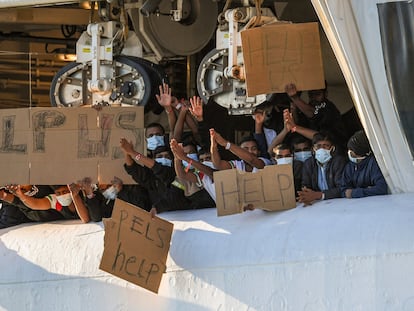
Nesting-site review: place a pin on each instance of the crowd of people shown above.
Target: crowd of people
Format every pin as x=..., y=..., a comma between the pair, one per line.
x=176, y=172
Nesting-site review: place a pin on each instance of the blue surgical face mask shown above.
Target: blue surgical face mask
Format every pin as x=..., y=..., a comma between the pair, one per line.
x=110, y=193
x=287, y=160
x=164, y=161
x=302, y=155
x=354, y=159
x=192, y=156
x=323, y=155
x=154, y=142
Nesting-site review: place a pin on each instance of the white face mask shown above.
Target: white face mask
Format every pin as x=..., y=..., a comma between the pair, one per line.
x=323, y=155
x=354, y=159
x=164, y=161
x=192, y=156
x=302, y=155
x=287, y=160
x=209, y=164
x=110, y=193
x=154, y=142
x=64, y=199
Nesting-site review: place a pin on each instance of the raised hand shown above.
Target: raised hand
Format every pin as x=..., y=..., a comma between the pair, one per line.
x=74, y=189
x=291, y=90
x=259, y=117
x=164, y=99
x=126, y=146
x=217, y=138
x=288, y=120
x=196, y=108
x=177, y=149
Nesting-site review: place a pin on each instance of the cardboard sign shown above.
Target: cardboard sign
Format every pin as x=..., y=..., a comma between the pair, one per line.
x=136, y=245
x=63, y=145
x=270, y=189
x=281, y=53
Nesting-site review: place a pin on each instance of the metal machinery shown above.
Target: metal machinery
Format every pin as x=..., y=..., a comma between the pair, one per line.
x=118, y=66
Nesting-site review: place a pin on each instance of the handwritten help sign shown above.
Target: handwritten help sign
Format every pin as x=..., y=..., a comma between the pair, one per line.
x=270, y=189
x=136, y=246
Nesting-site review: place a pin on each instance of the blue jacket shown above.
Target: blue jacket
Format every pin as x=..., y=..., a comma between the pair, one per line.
x=364, y=178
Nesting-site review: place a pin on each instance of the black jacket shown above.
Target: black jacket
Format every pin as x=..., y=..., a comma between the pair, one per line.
x=158, y=182
x=334, y=169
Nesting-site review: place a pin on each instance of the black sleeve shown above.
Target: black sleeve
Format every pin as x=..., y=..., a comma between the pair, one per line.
x=204, y=132
x=141, y=174
x=96, y=206
x=163, y=173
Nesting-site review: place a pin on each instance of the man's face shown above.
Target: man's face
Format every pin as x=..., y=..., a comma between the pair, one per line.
x=164, y=154
x=316, y=96
x=205, y=157
x=151, y=131
x=282, y=153
x=251, y=147
x=189, y=149
x=325, y=144
x=62, y=190
x=302, y=147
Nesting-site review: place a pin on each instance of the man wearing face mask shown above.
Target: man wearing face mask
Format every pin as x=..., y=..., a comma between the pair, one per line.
x=362, y=176
x=155, y=137
x=283, y=155
x=319, y=114
x=190, y=172
x=66, y=199
x=100, y=199
x=157, y=176
x=322, y=174
x=302, y=148
x=14, y=212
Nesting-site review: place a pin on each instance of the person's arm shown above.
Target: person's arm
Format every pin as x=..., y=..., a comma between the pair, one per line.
x=308, y=195
x=180, y=155
x=30, y=202
x=196, y=110
x=6, y=196
x=165, y=100
x=179, y=125
x=238, y=151
x=346, y=181
x=215, y=155
x=376, y=179
x=259, y=135
x=80, y=207
x=335, y=171
x=291, y=91
x=131, y=155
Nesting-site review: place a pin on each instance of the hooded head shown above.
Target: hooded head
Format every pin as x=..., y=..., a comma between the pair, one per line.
x=359, y=144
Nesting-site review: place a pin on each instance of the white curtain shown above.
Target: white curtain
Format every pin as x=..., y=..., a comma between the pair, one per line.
x=352, y=29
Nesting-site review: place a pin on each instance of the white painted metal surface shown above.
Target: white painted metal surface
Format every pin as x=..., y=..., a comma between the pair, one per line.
x=338, y=254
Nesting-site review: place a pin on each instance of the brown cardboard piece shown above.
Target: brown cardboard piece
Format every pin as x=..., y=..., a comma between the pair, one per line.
x=136, y=245
x=14, y=147
x=270, y=189
x=281, y=53
x=63, y=145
